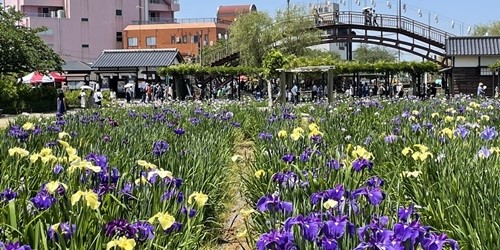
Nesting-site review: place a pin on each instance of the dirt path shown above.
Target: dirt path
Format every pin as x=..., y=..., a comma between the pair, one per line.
x=234, y=222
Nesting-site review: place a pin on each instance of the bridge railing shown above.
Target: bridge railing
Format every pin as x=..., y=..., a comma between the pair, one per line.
x=389, y=21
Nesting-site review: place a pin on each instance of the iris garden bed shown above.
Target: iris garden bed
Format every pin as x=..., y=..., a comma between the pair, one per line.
x=367, y=174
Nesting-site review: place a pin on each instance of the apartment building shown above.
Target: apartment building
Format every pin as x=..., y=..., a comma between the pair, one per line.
x=79, y=30
x=187, y=35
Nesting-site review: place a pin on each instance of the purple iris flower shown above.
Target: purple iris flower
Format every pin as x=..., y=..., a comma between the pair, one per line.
x=374, y=195
x=176, y=227
x=316, y=139
x=390, y=139
x=188, y=211
x=276, y=240
x=328, y=244
x=19, y=133
x=119, y=227
x=127, y=189
x=7, y=195
x=335, y=228
x=361, y=163
x=462, y=132
x=106, y=138
x=288, y=158
x=274, y=203
x=194, y=120
x=331, y=194
x=14, y=246
x=489, y=133
x=43, y=200
x=160, y=147
x=58, y=169
x=484, y=152
x=405, y=213
x=286, y=179
x=115, y=175
x=436, y=242
x=304, y=157
x=51, y=144
x=375, y=181
x=265, y=136
x=65, y=229
x=145, y=231
x=416, y=127
x=310, y=226
x=334, y=164
x=179, y=131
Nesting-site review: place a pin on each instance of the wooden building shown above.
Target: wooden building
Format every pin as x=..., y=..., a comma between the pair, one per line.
x=470, y=58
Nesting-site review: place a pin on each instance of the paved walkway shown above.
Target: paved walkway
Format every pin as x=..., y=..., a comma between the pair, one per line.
x=5, y=120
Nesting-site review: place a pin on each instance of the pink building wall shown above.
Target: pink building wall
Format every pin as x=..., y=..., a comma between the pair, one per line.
x=76, y=39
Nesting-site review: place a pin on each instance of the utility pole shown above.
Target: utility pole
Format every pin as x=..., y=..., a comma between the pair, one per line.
x=288, y=5
x=399, y=14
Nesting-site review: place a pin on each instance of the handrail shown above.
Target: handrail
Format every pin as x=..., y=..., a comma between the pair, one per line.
x=434, y=35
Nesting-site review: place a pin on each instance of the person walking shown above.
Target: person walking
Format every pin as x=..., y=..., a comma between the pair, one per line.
x=98, y=98
x=83, y=99
x=480, y=90
x=295, y=92
x=61, y=103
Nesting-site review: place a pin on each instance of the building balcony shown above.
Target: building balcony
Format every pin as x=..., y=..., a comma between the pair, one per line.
x=164, y=5
x=153, y=20
x=42, y=3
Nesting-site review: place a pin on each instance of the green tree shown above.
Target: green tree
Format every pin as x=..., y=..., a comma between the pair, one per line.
x=490, y=29
x=251, y=37
x=254, y=34
x=373, y=54
x=21, y=49
x=294, y=31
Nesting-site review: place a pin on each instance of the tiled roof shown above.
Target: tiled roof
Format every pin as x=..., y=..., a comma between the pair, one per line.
x=75, y=66
x=473, y=46
x=132, y=58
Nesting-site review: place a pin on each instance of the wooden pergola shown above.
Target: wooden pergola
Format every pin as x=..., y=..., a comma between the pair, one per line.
x=287, y=76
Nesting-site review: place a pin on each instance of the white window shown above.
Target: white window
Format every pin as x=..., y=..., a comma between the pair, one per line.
x=132, y=41
x=151, y=41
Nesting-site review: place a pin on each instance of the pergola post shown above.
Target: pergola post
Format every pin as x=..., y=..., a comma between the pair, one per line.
x=330, y=85
x=283, y=82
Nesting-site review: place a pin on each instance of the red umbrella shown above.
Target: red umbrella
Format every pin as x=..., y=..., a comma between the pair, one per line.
x=38, y=77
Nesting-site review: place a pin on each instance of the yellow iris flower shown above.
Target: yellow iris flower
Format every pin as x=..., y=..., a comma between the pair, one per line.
x=54, y=185
x=200, y=199
x=28, y=126
x=46, y=152
x=330, y=204
x=161, y=173
x=360, y=152
x=298, y=130
x=63, y=134
x=90, y=197
x=447, y=132
x=122, y=242
x=146, y=164
x=313, y=126
x=282, y=134
x=19, y=151
x=295, y=136
x=83, y=165
x=65, y=144
x=406, y=151
x=166, y=220
x=34, y=157
x=259, y=173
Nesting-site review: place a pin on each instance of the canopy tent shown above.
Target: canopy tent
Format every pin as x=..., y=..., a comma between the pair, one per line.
x=39, y=77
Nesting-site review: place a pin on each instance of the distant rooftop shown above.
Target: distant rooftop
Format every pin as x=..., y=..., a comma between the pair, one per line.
x=473, y=46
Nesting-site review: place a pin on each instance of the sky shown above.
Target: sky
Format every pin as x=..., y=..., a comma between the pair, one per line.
x=463, y=13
